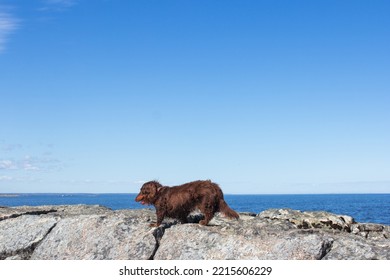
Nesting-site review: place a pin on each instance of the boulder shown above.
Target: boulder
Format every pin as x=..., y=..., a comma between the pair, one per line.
x=93, y=232
x=114, y=236
x=21, y=235
x=310, y=219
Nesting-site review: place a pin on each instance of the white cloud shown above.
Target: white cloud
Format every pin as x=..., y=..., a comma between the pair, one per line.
x=8, y=24
x=29, y=163
x=61, y=2
x=29, y=166
x=57, y=5
x=6, y=178
x=7, y=164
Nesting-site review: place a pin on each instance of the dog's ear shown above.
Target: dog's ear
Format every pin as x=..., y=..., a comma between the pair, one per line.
x=157, y=184
x=152, y=190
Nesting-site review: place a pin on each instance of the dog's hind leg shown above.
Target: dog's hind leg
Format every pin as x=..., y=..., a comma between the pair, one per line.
x=207, y=217
x=207, y=208
x=183, y=218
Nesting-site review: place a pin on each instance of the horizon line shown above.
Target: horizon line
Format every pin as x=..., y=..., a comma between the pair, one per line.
x=131, y=193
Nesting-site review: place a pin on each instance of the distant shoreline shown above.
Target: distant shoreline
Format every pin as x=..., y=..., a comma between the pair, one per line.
x=335, y=203
x=135, y=193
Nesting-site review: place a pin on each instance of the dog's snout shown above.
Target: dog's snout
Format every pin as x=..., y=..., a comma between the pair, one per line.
x=139, y=198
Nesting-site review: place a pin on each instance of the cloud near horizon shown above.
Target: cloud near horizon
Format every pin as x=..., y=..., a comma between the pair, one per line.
x=29, y=163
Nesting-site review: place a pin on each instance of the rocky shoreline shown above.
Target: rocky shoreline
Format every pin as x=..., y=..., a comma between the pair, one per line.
x=92, y=232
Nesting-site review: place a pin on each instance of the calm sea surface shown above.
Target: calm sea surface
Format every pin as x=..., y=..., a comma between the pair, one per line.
x=368, y=208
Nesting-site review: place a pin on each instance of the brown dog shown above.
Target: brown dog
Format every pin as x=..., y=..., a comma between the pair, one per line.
x=177, y=202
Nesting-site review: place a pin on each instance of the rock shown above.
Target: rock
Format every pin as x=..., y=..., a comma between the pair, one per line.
x=61, y=210
x=310, y=219
x=8, y=212
x=371, y=231
x=98, y=233
x=19, y=236
x=115, y=236
x=357, y=248
x=195, y=242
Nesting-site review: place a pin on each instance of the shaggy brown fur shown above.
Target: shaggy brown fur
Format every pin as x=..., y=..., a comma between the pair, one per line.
x=177, y=202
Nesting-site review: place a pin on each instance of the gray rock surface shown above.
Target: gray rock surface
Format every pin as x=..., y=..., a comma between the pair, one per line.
x=97, y=237
x=19, y=236
x=96, y=233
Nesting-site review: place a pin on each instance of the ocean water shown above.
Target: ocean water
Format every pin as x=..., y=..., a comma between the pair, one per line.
x=367, y=208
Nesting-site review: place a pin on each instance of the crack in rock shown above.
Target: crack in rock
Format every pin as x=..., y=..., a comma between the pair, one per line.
x=158, y=234
x=26, y=253
x=326, y=246
x=32, y=213
x=10, y=250
x=36, y=244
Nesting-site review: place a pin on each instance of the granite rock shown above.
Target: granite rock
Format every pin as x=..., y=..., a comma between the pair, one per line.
x=74, y=232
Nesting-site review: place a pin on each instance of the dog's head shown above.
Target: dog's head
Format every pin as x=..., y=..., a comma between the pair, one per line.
x=148, y=193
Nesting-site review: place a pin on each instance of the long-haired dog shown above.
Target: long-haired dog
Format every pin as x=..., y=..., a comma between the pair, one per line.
x=179, y=201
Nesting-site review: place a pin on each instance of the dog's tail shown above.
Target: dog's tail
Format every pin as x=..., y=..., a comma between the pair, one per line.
x=226, y=210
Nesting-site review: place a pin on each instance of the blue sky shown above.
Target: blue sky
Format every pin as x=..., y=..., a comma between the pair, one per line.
x=259, y=96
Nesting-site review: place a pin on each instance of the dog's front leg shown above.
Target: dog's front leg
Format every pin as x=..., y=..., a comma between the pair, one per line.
x=160, y=218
